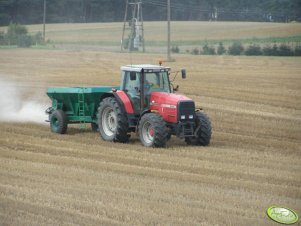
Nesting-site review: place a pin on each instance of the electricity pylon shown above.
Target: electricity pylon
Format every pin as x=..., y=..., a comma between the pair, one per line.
x=133, y=32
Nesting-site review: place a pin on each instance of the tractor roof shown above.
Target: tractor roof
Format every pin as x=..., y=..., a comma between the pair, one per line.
x=146, y=67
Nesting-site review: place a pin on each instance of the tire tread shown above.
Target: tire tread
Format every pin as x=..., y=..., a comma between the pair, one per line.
x=159, y=125
x=122, y=125
x=62, y=118
x=204, y=133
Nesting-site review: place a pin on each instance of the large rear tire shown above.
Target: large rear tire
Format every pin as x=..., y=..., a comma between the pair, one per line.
x=112, y=122
x=58, y=122
x=204, y=131
x=152, y=130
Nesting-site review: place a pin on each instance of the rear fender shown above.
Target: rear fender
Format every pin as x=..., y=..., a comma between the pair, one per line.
x=124, y=100
x=117, y=97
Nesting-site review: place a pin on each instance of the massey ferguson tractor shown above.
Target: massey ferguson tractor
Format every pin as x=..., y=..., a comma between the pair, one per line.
x=145, y=103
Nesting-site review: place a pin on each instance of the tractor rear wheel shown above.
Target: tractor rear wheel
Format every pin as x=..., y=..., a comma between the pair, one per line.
x=152, y=130
x=58, y=121
x=112, y=122
x=204, y=131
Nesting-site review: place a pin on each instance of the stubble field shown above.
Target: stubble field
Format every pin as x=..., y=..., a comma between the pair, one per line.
x=253, y=162
x=185, y=35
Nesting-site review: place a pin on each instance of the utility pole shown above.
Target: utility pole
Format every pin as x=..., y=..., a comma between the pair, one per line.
x=44, y=21
x=124, y=23
x=168, y=32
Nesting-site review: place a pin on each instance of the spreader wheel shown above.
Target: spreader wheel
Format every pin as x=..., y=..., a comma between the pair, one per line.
x=152, y=130
x=58, y=121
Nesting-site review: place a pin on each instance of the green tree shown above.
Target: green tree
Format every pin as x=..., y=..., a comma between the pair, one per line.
x=221, y=49
x=14, y=32
x=31, y=11
x=235, y=49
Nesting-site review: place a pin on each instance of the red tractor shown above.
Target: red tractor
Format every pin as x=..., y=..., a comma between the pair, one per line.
x=146, y=104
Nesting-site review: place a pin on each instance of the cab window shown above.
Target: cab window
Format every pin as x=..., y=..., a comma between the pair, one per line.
x=131, y=82
x=157, y=81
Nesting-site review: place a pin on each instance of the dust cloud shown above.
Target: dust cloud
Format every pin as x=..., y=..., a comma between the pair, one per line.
x=14, y=108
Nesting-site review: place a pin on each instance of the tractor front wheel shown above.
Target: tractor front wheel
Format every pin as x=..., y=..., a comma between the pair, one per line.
x=152, y=130
x=112, y=122
x=58, y=121
x=203, y=134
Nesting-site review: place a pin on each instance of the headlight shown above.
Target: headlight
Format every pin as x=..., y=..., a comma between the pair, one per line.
x=190, y=116
x=183, y=117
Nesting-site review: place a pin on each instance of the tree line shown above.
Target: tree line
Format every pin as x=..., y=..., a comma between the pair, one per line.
x=84, y=11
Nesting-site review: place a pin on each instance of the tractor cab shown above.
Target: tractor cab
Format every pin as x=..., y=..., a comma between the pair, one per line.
x=139, y=81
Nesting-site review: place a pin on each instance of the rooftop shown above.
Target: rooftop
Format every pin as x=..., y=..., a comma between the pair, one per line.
x=147, y=67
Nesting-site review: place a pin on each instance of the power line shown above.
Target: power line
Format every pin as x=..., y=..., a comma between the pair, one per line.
x=196, y=8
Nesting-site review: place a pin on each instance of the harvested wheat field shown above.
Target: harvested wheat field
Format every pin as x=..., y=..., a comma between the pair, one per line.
x=185, y=34
x=253, y=162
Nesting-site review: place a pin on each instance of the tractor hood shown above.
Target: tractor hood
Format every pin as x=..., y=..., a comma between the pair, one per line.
x=159, y=98
x=166, y=104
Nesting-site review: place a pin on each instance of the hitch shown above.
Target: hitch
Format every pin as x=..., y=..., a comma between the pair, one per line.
x=49, y=110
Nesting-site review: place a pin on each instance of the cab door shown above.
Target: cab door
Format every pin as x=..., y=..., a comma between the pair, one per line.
x=131, y=86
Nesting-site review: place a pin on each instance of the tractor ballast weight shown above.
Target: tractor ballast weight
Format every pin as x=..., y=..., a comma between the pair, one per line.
x=144, y=103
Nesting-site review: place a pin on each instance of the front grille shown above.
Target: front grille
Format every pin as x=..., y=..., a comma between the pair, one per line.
x=185, y=109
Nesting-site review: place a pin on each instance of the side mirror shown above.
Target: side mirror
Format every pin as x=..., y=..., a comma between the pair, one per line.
x=183, y=71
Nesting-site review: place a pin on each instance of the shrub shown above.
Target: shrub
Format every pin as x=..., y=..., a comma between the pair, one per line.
x=18, y=35
x=253, y=50
x=208, y=50
x=195, y=51
x=270, y=51
x=267, y=50
x=24, y=41
x=285, y=50
x=221, y=49
x=175, y=49
x=18, y=29
x=236, y=49
x=38, y=38
x=14, y=31
x=298, y=51
x=2, y=38
x=275, y=50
